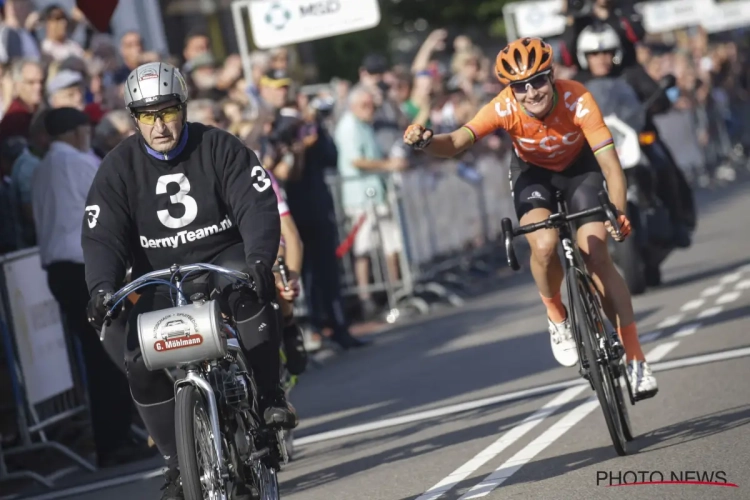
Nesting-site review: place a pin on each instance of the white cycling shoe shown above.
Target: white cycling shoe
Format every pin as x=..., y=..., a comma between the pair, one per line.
x=563, y=343
x=642, y=380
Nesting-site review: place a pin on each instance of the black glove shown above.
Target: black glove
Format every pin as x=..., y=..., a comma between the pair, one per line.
x=265, y=281
x=96, y=310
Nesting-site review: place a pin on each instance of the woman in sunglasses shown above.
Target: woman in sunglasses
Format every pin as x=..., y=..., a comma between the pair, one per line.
x=561, y=143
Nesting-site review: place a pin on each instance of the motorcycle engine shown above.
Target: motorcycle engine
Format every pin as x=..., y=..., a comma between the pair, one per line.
x=233, y=386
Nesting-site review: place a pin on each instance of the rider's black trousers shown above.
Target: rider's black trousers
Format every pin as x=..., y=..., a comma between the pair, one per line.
x=109, y=403
x=153, y=391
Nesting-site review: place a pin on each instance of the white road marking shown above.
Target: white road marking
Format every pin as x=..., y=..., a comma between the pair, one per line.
x=501, y=444
x=650, y=337
x=730, y=278
x=656, y=367
x=670, y=321
x=659, y=352
x=711, y=311
x=728, y=297
x=686, y=330
x=692, y=305
x=98, y=485
x=437, y=412
x=512, y=465
x=701, y=359
x=531, y=450
x=712, y=290
x=742, y=285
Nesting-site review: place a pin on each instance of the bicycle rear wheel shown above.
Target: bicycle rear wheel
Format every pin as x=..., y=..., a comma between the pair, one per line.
x=599, y=373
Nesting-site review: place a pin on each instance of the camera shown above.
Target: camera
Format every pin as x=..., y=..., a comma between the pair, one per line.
x=580, y=8
x=583, y=8
x=286, y=127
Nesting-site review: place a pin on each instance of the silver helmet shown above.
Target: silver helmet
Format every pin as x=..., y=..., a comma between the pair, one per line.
x=152, y=83
x=598, y=38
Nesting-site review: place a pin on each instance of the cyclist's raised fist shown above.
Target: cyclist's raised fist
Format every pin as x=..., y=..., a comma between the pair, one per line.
x=417, y=136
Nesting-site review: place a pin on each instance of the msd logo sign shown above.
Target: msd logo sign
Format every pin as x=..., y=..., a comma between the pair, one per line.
x=284, y=22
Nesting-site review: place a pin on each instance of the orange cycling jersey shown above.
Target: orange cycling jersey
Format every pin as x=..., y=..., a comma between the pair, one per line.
x=554, y=141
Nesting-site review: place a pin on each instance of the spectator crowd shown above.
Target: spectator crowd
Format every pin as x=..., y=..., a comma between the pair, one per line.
x=351, y=127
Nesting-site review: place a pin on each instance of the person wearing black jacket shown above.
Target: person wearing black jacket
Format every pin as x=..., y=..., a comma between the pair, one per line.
x=599, y=55
x=184, y=193
x=620, y=15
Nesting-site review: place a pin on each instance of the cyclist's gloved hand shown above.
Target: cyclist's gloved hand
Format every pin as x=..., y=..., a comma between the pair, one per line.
x=417, y=136
x=265, y=281
x=96, y=310
x=624, y=223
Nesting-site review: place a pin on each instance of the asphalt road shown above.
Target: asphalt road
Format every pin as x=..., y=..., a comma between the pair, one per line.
x=463, y=433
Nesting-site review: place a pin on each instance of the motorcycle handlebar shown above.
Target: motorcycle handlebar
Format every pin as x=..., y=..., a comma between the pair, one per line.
x=156, y=277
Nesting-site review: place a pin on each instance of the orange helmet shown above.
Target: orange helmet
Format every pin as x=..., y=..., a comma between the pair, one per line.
x=522, y=59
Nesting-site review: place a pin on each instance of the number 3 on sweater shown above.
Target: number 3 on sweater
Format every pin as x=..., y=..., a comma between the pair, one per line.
x=179, y=198
x=263, y=181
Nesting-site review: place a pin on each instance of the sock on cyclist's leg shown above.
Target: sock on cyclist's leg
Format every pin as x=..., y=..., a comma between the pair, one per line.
x=629, y=338
x=555, y=308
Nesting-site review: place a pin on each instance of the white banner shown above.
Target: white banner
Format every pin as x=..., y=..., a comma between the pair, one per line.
x=38, y=330
x=660, y=17
x=727, y=16
x=539, y=19
x=284, y=22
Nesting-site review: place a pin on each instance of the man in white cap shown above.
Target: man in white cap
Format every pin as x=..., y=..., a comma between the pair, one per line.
x=65, y=90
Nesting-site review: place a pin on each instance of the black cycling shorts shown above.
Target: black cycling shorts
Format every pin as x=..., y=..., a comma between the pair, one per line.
x=534, y=187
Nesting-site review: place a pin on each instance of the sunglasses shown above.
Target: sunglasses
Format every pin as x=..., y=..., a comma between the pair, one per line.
x=537, y=82
x=168, y=115
x=599, y=52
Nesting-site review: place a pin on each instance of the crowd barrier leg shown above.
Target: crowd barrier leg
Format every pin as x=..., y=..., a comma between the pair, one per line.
x=34, y=419
x=414, y=291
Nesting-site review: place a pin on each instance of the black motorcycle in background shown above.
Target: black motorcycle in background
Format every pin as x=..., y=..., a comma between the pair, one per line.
x=653, y=237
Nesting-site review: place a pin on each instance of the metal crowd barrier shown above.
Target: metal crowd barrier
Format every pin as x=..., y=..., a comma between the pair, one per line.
x=448, y=218
x=46, y=389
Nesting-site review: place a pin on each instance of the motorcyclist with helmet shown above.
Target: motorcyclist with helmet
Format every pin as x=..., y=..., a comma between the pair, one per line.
x=600, y=55
x=180, y=192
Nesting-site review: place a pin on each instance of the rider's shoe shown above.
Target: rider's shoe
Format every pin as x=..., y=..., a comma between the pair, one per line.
x=682, y=238
x=172, y=487
x=347, y=341
x=278, y=412
x=244, y=492
x=294, y=347
x=563, y=343
x=642, y=380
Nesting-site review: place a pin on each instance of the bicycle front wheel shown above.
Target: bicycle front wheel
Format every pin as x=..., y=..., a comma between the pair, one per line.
x=599, y=372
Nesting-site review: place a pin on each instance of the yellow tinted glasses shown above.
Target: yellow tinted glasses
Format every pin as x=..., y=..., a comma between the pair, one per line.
x=168, y=115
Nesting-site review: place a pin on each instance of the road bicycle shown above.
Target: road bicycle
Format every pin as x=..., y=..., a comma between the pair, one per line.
x=221, y=440
x=600, y=353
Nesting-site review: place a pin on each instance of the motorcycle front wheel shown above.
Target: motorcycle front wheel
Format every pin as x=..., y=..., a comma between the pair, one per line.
x=195, y=448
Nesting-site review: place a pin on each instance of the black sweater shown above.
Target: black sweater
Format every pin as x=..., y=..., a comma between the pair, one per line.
x=153, y=210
